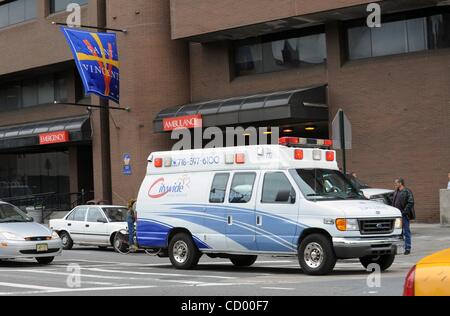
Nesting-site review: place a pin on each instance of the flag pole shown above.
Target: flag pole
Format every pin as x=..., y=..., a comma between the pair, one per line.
x=93, y=27
x=93, y=106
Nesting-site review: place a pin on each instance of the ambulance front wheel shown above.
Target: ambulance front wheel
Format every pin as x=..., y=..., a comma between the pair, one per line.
x=243, y=261
x=316, y=255
x=183, y=253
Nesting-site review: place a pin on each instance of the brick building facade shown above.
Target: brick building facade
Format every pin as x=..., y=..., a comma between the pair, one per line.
x=181, y=52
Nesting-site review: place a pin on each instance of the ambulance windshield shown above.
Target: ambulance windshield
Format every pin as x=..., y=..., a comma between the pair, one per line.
x=318, y=184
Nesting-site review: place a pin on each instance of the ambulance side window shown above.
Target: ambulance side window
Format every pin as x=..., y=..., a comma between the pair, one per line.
x=277, y=189
x=218, y=188
x=242, y=187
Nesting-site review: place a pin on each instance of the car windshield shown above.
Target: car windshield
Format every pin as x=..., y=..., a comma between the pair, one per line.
x=358, y=184
x=116, y=214
x=11, y=214
x=321, y=184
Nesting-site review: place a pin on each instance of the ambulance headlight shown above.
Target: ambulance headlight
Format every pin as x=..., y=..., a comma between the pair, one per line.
x=398, y=223
x=347, y=224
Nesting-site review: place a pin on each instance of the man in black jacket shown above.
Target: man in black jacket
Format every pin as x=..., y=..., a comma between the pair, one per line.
x=403, y=199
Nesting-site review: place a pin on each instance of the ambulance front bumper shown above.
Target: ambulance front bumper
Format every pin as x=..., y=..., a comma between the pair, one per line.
x=346, y=248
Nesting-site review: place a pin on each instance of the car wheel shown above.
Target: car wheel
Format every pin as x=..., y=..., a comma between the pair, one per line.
x=385, y=261
x=316, y=255
x=45, y=260
x=183, y=253
x=66, y=240
x=120, y=243
x=243, y=261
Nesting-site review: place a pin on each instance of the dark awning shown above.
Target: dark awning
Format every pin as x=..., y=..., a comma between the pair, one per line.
x=25, y=135
x=294, y=106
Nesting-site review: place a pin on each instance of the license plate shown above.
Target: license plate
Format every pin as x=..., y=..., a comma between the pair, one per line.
x=42, y=248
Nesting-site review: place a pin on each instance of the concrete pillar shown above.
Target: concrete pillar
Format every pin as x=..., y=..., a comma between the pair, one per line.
x=73, y=171
x=445, y=207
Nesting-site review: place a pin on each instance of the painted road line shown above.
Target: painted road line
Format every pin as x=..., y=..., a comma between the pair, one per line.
x=279, y=288
x=110, y=277
x=29, y=286
x=90, y=289
x=159, y=273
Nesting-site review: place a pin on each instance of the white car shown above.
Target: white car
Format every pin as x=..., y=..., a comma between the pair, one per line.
x=374, y=194
x=21, y=238
x=90, y=225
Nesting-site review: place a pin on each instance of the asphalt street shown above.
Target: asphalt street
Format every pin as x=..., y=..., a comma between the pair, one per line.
x=91, y=271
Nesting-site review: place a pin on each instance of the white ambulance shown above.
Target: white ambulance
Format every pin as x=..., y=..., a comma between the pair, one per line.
x=241, y=202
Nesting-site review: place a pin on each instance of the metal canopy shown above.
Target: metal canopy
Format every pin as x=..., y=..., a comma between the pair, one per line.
x=300, y=105
x=25, y=135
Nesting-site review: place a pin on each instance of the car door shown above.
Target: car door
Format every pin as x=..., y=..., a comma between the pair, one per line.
x=241, y=212
x=277, y=213
x=76, y=223
x=215, y=217
x=96, y=227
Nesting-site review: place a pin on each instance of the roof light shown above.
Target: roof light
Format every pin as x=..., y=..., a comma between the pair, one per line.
x=330, y=155
x=158, y=163
x=240, y=159
x=288, y=130
x=229, y=159
x=168, y=162
x=288, y=140
x=317, y=155
x=305, y=141
x=298, y=154
x=310, y=128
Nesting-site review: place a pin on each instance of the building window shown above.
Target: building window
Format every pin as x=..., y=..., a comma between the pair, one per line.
x=34, y=91
x=17, y=11
x=61, y=5
x=407, y=33
x=279, y=52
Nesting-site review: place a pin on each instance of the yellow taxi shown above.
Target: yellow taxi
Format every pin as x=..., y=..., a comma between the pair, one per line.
x=430, y=276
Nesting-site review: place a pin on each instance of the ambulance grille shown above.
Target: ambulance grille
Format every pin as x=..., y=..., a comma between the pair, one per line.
x=376, y=226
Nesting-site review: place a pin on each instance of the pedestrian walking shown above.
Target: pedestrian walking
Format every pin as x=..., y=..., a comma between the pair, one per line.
x=403, y=199
x=448, y=185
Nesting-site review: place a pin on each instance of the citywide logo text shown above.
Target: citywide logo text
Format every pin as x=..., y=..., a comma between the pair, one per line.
x=161, y=188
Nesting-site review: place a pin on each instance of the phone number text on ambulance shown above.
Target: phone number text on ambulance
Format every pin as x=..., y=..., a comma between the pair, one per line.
x=196, y=161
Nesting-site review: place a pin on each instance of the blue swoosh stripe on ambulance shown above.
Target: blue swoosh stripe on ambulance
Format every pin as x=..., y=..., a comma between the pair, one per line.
x=226, y=208
x=154, y=233
x=235, y=237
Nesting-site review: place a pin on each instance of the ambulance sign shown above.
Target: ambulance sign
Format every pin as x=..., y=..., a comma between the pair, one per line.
x=189, y=121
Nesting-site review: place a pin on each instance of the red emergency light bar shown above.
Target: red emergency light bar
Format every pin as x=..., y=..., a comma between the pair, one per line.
x=305, y=142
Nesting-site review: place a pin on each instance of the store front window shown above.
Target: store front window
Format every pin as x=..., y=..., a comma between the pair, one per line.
x=22, y=175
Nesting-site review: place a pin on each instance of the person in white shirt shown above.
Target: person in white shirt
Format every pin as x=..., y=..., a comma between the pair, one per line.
x=448, y=186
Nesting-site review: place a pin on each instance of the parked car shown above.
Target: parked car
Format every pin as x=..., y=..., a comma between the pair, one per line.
x=430, y=276
x=20, y=237
x=90, y=225
x=374, y=194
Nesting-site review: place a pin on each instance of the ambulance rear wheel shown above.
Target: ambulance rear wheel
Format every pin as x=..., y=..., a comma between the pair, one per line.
x=183, y=253
x=243, y=261
x=316, y=255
